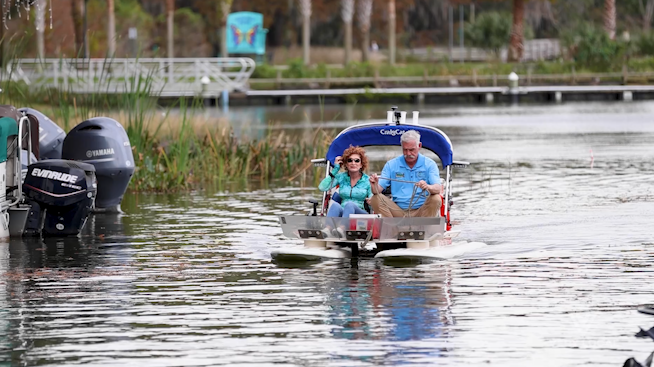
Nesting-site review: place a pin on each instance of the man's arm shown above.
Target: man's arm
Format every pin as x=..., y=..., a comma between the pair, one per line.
x=432, y=176
x=375, y=184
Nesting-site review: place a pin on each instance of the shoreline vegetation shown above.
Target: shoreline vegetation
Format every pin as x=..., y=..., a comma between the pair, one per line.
x=188, y=150
x=181, y=151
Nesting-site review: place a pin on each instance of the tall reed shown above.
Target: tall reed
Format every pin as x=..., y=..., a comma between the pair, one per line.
x=171, y=153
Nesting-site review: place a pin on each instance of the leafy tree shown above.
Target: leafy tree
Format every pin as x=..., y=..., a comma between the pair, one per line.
x=490, y=31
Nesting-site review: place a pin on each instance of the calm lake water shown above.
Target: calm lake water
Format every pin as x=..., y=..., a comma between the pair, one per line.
x=562, y=194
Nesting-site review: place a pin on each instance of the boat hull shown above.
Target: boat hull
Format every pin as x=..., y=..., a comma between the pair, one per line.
x=309, y=254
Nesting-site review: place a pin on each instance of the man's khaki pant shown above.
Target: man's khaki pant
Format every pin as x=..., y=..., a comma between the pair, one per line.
x=385, y=206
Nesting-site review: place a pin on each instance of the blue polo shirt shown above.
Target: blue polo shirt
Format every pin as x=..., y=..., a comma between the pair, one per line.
x=425, y=169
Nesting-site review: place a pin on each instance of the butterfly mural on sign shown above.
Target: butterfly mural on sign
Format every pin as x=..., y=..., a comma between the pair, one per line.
x=240, y=36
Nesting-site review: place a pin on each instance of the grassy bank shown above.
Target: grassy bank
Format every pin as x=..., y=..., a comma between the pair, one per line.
x=182, y=150
x=296, y=69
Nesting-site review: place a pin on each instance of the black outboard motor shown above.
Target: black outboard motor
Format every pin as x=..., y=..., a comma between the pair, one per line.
x=61, y=193
x=103, y=142
x=50, y=136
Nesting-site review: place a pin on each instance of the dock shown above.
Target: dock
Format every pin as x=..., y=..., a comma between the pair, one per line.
x=436, y=95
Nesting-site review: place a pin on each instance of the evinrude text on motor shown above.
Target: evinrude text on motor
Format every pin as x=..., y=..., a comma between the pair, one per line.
x=61, y=194
x=103, y=142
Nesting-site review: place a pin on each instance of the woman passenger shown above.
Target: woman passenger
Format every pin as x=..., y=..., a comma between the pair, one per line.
x=354, y=185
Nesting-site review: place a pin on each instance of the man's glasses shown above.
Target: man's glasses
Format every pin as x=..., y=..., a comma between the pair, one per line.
x=355, y=160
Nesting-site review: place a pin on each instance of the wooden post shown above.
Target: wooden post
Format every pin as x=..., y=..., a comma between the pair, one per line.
x=376, y=82
x=494, y=80
x=425, y=75
x=474, y=78
x=574, y=75
x=279, y=79
x=329, y=75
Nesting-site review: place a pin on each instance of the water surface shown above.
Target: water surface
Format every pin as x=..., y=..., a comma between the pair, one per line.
x=563, y=196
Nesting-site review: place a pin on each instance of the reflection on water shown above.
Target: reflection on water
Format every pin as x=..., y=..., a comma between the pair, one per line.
x=186, y=279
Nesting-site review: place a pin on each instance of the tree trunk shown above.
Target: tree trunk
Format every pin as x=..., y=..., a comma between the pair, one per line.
x=2, y=38
x=305, y=10
x=648, y=11
x=609, y=18
x=391, y=31
x=78, y=25
x=364, y=11
x=170, y=17
x=348, y=42
x=516, y=44
x=39, y=24
x=306, y=40
x=347, y=13
x=225, y=9
x=111, y=29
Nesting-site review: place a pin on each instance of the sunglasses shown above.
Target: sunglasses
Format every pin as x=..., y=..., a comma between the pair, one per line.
x=355, y=160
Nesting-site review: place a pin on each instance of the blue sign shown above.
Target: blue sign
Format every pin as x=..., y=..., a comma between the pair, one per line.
x=245, y=33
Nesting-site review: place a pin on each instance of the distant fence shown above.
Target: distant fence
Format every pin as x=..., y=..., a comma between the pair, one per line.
x=162, y=76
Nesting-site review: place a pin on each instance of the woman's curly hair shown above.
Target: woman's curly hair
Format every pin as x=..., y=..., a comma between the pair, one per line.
x=356, y=150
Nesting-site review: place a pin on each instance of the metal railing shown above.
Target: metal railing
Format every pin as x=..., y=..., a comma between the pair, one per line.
x=159, y=76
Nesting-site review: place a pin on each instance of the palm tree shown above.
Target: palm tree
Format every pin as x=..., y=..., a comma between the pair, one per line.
x=609, y=18
x=347, y=13
x=170, y=13
x=516, y=43
x=648, y=11
x=305, y=10
x=111, y=29
x=39, y=24
x=391, y=31
x=78, y=9
x=364, y=11
x=225, y=8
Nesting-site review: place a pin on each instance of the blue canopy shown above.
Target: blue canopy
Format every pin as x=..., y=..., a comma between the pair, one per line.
x=368, y=135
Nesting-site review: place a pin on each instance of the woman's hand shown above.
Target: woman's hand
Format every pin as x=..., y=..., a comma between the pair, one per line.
x=338, y=161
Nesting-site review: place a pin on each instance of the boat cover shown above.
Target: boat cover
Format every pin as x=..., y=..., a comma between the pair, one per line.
x=431, y=139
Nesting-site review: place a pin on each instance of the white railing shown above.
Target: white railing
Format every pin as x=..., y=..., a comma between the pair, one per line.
x=160, y=76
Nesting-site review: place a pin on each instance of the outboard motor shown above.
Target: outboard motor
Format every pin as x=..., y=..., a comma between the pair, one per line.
x=61, y=193
x=50, y=136
x=103, y=142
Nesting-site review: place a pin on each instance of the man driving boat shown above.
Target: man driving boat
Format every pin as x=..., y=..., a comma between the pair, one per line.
x=414, y=181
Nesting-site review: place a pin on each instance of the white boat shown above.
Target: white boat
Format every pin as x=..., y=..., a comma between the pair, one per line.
x=370, y=235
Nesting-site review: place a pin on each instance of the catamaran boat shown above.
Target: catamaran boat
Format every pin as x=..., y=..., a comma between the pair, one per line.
x=370, y=235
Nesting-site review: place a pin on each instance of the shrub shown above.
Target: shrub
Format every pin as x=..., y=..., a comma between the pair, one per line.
x=592, y=49
x=645, y=44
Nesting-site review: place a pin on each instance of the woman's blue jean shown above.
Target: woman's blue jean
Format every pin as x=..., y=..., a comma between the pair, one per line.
x=336, y=210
